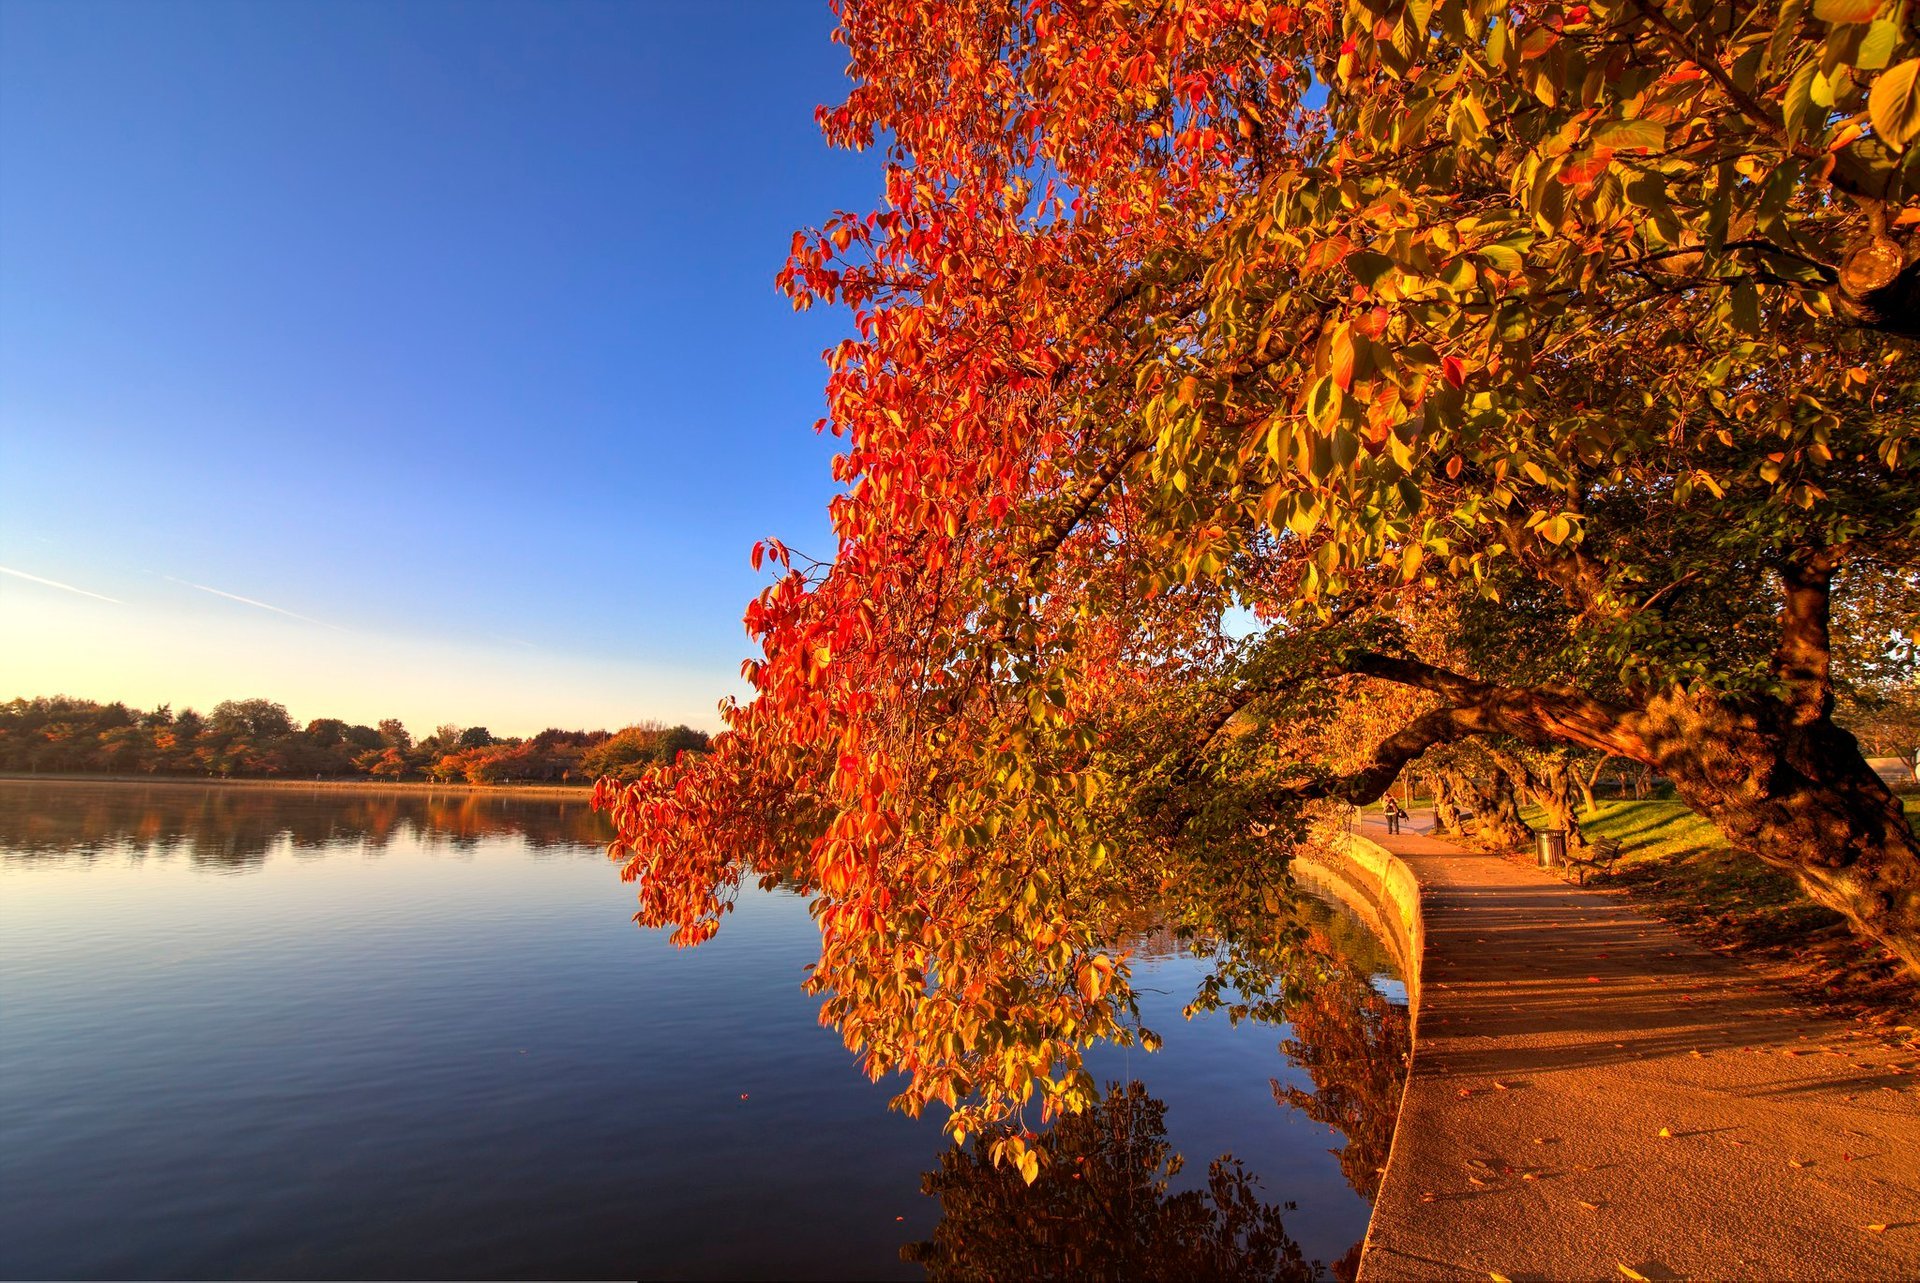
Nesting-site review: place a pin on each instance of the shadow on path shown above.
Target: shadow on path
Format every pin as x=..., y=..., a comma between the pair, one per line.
x=1592, y=1090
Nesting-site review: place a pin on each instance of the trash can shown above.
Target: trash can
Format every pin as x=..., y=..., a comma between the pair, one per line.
x=1551, y=846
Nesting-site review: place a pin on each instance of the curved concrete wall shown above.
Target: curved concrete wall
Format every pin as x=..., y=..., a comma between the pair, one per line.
x=1378, y=887
x=1381, y=890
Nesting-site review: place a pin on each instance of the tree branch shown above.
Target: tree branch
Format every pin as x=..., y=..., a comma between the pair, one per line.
x=1540, y=715
x=1803, y=657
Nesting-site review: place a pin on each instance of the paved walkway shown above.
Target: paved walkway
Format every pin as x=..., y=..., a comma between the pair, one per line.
x=1592, y=1094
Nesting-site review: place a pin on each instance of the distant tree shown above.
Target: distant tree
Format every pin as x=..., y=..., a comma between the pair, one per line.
x=387, y=763
x=255, y=719
x=365, y=737
x=394, y=735
x=1887, y=721
x=475, y=737
x=629, y=752
x=326, y=732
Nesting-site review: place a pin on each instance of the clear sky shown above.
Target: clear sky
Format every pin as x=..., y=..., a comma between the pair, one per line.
x=406, y=359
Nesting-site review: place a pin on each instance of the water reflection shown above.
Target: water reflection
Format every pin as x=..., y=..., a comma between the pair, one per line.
x=237, y=827
x=418, y=1067
x=1102, y=1208
x=1354, y=1042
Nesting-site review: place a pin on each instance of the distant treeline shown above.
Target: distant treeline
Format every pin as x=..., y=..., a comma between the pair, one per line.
x=256, y=738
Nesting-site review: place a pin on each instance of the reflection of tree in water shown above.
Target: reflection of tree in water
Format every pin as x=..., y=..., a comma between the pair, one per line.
x=1101, y=1208
x=238, y=827
x=1353, y=1042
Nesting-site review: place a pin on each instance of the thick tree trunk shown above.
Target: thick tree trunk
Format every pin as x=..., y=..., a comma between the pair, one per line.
x=1550, y=788
x=1589, y=782
x=1497, y=825
x=1800, y=798
x=1446, y=804
x=1774, y=773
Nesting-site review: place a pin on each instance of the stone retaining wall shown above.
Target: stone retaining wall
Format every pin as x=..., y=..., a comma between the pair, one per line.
x=1381, y=890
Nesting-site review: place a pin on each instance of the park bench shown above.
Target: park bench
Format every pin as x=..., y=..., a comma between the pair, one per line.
x=1600, y=857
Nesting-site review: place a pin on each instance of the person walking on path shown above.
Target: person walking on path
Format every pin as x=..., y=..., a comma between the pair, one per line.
x=1394, y=815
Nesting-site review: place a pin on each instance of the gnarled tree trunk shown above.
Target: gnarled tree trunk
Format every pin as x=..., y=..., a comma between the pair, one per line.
x=1446, y=804
x=1773, y=772
x=1799, y=798
x=1497, y=825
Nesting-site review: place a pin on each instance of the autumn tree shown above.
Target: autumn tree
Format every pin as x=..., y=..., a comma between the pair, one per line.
x=1582, y=322
x=255, y=719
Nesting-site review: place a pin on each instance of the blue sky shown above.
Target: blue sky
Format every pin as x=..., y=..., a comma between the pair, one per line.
x=444, y=335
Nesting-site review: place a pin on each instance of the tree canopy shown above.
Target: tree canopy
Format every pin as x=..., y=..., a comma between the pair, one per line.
x=257, y=738
x=1534, y=373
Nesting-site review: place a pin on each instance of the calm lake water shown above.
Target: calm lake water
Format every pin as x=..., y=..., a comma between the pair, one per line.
x=310, y=1034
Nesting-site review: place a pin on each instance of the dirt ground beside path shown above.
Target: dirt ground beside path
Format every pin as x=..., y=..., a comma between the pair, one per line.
x=1595, y=1096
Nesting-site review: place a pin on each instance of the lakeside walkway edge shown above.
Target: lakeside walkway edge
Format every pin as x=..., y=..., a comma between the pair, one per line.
x=1594, y=1096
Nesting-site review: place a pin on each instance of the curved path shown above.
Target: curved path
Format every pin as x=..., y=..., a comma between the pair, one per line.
x=1593, y=1096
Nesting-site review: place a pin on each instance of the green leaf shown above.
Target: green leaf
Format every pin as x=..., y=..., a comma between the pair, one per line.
x=1878, y=46
x=1838, y=12
x=1746, y=308
x=1368, y=267
x=1894, y=104
x=1786, y=30
x=1503, y=257
x=1631, y=135
x=1323, y=401
x=1798, y=109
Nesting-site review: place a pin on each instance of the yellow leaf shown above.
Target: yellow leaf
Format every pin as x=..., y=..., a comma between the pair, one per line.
x=1894, y=104
x=1627, y=1271
x=1876, y=1229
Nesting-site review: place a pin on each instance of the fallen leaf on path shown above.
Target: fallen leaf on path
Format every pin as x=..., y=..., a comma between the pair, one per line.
x=1629, y=1272
x=1591, y=1207
x=1498, y=1277
x=1666, y=1134
x=1876, y=1229
x=1799, y=1162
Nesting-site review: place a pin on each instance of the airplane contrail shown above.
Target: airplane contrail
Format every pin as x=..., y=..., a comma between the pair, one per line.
x=248, y=601
x=55, y=583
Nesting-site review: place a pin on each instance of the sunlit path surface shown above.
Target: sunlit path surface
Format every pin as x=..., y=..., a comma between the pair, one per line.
x=1590, y=1090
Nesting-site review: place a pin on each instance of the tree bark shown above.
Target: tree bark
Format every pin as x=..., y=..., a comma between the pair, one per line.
x=1798, y=797
x=1496, y=814
x=1589, y=782
x=1776, y=775
x=1446, y=804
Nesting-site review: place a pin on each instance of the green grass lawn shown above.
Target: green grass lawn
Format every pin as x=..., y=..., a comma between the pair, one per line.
x=1683, y=870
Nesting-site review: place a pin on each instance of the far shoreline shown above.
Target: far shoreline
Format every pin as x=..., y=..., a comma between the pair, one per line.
x=581, y=792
